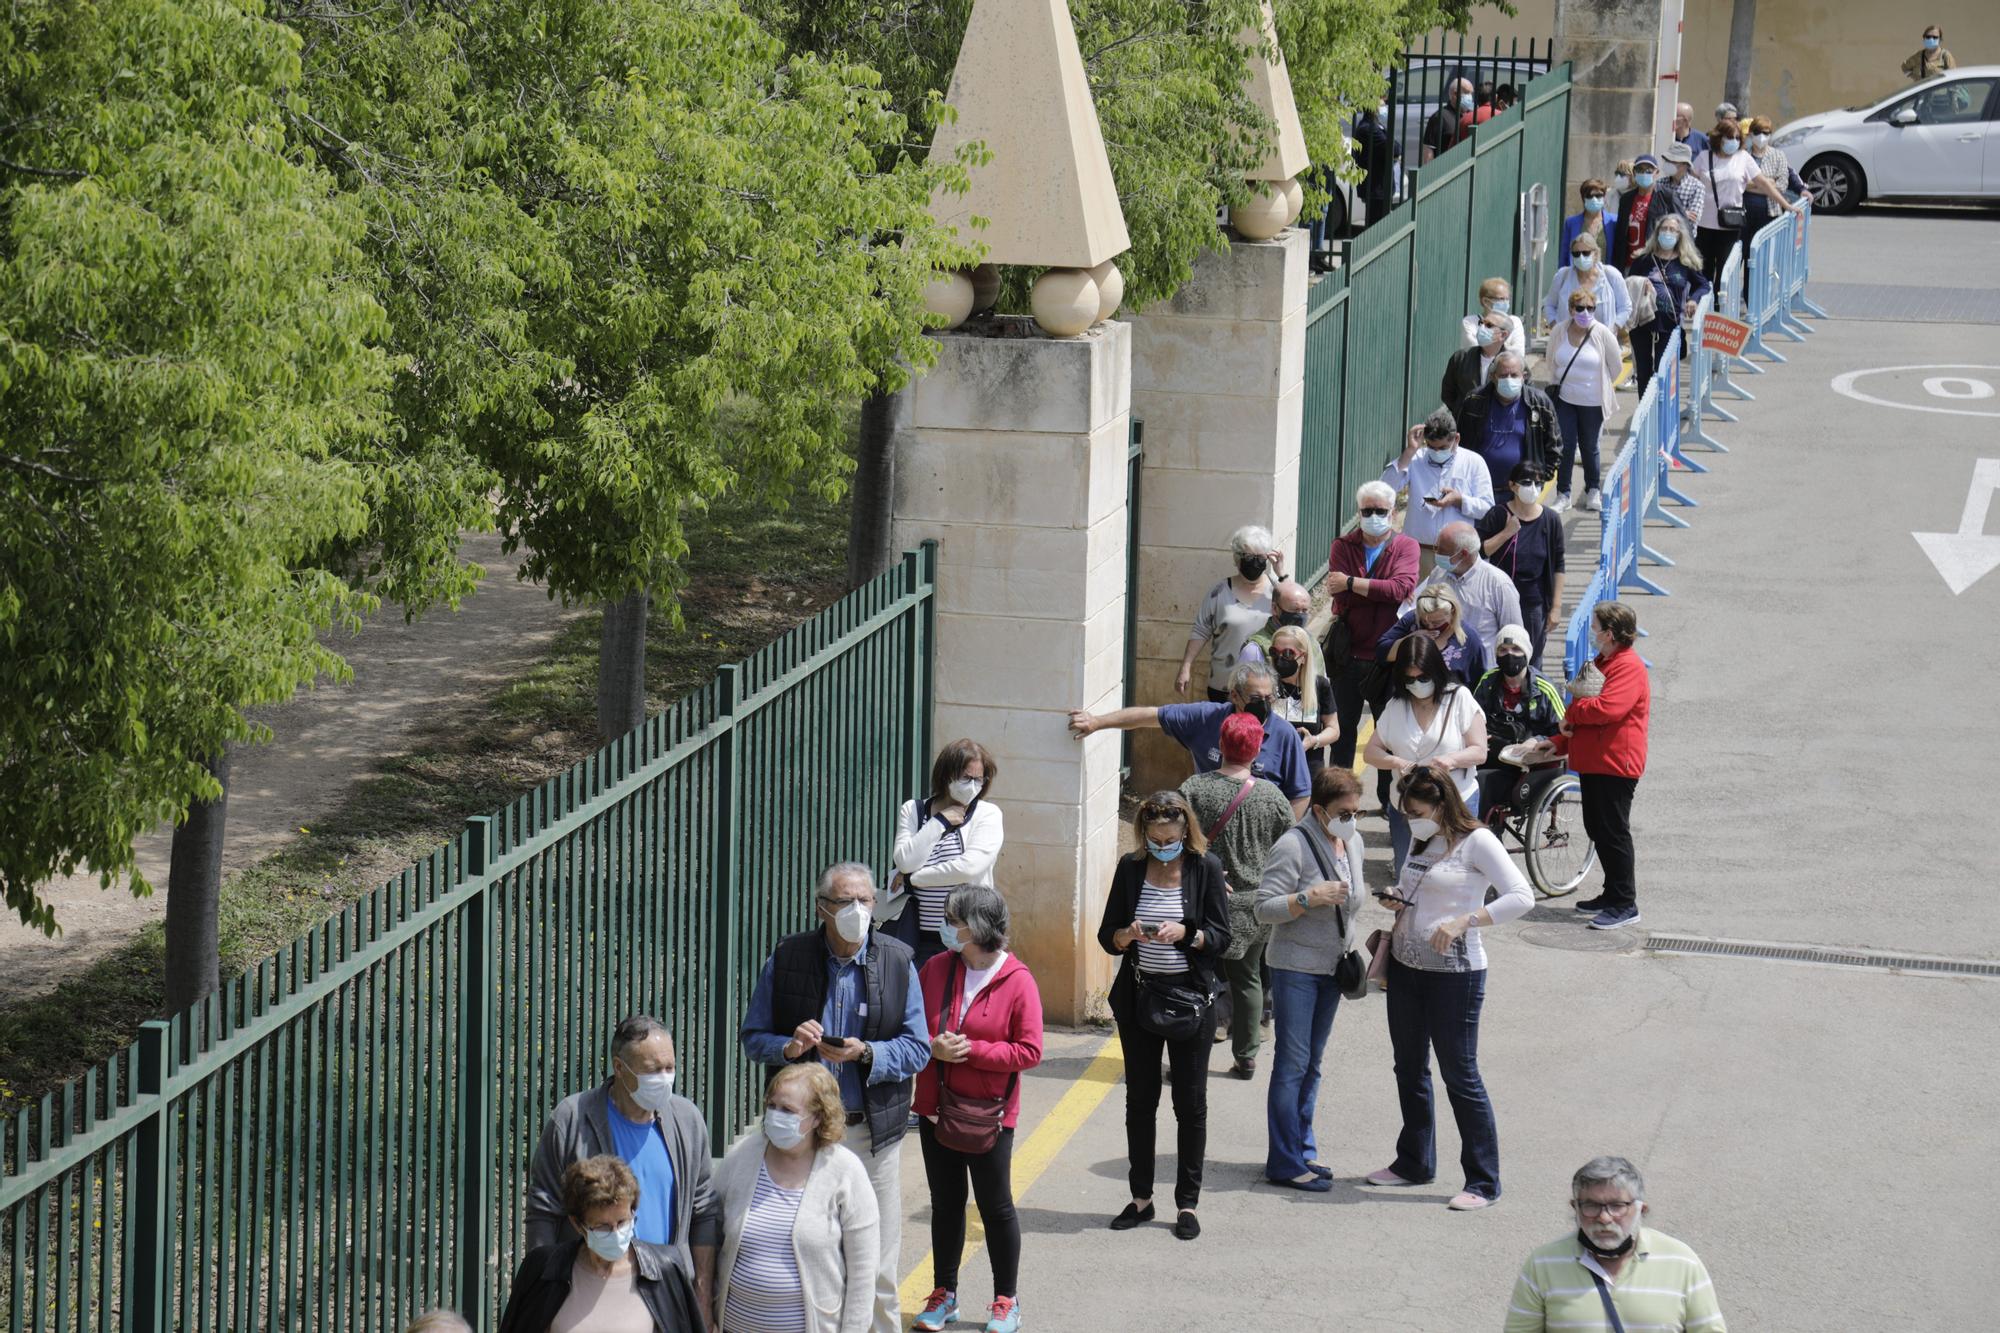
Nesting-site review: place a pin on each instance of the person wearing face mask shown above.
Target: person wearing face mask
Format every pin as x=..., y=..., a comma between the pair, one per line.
x=1506, y=421
x=1305, y=695
x=1931, y=59
x=1521, y=704
x=597, y=1273
x=802, y=1225
x=985, y=1017
x=1445, y=482
x=1583, y=357
x=1485, y=595
x=1612, y=1271
x=1431, y=721
x=847, y=998
x=1166, y=920
x=1307, y=897
x=1371, y=569
x=1291, y=607
x=1253, y=689
x=1477, y=114
x=1591, y=220
x=1775, y=168
x=1240, y=817
x=1650, y=198
x=1727, y=174
x=1621, y=181
x=1504, y=97
x=1604, y=736
x=1437, y=980
x=1436, y=616
x=1525, y=538
x=636, y=1116
x=950, y=837
x=1496, y=297
x=1671, y=268
x=1234, y=609
x=1689, y=190
x=1471, y=367
x=1441, y=130
x=1587, y=272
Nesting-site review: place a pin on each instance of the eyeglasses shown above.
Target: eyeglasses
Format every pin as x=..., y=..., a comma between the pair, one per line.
x=1593, y=1208
x=1374, y=510
x=1583, y=307
x=1161, y=814
x=1593, y=196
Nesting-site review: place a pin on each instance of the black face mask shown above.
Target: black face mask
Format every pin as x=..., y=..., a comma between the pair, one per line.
x=1297, y=618
x=1251, y=566
x=1512, y=666
x=1583, y=1237
x=1285, y=664
x=1259, y=708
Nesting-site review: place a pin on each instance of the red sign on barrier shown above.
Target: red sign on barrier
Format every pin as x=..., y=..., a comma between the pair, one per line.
x=1720, y=333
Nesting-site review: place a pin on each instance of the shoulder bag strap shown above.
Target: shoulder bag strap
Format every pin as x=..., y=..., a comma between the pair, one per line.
x=1610, y=1310
x=1326, y=873
x=1241, y=792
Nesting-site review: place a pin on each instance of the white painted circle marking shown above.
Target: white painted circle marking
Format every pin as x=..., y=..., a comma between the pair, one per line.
x=1945, y=386
x=1844, y=384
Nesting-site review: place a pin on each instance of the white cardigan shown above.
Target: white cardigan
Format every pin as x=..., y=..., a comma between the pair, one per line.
x=1607, y=348
x=982, y=835
x=836, y=1237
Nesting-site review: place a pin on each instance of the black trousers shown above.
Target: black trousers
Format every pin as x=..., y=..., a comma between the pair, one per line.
x=992, y=1177
x=1188, y=1061
x=1607, y=818
x=1347, y=701
x=1714, y=243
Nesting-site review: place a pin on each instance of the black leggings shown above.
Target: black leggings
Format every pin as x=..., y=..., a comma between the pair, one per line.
x=1714, y=244
x=1189, y=1063
x=992, y=1176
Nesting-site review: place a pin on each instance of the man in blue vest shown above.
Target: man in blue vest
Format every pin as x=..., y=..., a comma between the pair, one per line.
x=850, y=999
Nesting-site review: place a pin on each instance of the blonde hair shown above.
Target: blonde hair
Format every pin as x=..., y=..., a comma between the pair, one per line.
x=1584, y=238
x=1163, y=807
x=822, y=1094
x=1437, y=597
x=1310, y=668
x=1686, y=252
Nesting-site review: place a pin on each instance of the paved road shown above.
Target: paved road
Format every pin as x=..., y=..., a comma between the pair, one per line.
x=1823, y=752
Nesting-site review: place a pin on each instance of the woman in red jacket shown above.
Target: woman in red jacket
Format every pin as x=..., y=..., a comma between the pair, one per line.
x=985, y=1016
x=1371, y=571
x=1605, y=738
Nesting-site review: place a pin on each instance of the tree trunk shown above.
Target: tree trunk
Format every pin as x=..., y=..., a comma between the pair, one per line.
x=1742, y=36
x=194, y=892
x=621, y=667
x=870, y=543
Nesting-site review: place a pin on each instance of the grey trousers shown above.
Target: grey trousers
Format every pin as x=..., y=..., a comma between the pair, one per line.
x=885, y=1173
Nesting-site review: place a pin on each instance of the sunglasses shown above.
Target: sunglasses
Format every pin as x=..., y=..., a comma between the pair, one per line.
x=1376, y=510
x=1158, y=814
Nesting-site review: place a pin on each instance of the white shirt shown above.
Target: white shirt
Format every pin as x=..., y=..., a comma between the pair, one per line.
x=1464, y=472
x=1579, y=369
x=1447, y=884
x=1731, y=175
x=975, y=982
x=1406, y=738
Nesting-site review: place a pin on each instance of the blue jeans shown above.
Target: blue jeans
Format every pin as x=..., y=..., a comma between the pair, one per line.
x=1399, y=829
x=1580, y=426
x=1302, y=1006
x=1440, y=1011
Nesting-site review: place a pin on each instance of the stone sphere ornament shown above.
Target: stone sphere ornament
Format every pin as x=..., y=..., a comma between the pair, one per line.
x=985, y=288
x=1295, y=200
x=1110, y=289
x=1065, y=301
x=950, y=295
x=1262, y=216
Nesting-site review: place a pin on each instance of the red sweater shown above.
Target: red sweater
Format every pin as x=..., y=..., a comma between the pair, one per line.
x=1608, y=733
x=1393, y=580
x=1004, y=1027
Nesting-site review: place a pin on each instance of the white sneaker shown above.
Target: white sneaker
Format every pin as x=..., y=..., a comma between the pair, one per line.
x=1593, y=501
x=1561, y=503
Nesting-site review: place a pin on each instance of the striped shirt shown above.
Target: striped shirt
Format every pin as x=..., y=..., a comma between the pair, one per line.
x=1663, y=1288
x=931, y=897
x=1159, y=904
x=765, y=1295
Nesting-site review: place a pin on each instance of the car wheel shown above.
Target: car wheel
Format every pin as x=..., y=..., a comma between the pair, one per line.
x=1835, y=183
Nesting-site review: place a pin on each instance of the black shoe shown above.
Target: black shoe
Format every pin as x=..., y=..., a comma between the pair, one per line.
x=1132, y=1217
x=1244, y=1069
x=1320, y=1170
x=1589, y=904
x=1187, y=1226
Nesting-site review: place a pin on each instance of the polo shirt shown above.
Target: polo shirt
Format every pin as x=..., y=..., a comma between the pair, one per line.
x=643, y=1147
x=1282, y=760
x=1661, y=1287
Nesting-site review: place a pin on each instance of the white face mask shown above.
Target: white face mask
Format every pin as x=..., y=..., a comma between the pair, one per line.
x=1374, y=524
x=610, y=1243
x=1508, y=387
x=1441, y=456
x=785, y=1129
x=1342, y=828
x=1421, y=689
x=1667, y=241
x=653, y=1089
x=1583, y=263
x=965, y=790
x=852, y=922
x=1527, y=492
x=1620, y=182
x=1423, y=830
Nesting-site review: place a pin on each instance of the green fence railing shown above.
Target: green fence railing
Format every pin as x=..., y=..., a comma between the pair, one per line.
x=340, y=1137
x=1380, y=327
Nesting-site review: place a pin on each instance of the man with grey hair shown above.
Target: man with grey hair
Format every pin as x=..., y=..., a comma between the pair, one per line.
x=850, y=999
x=1371, y=568
x=1612, y=1273
x=1487, y=597
x=636, y=1115
x=1253, y=689
x=1445, y=482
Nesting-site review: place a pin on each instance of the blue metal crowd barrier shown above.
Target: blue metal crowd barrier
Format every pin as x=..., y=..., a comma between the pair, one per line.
x=1770, y=252
x=1672, y=433
x=1728, y=296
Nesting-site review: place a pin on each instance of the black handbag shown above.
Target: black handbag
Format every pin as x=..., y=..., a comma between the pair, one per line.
x=1351, y=972
x=1171, y=1008
x=1338, y=647
x=1728, y=219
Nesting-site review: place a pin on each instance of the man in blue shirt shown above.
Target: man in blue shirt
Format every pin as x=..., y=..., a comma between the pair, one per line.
x=1445, y=482
x=1253, y=689
x=850, y=999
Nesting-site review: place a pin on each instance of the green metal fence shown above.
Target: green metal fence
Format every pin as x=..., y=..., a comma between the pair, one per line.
x=340, y=1137
x=1380, y=327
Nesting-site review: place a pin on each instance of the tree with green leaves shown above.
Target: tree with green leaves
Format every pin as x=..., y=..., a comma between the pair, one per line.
x=636, y=256
x=192, y=415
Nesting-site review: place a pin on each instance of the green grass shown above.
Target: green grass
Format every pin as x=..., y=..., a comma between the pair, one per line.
x=751, y=575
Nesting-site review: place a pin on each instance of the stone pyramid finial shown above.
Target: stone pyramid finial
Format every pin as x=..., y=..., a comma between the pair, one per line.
x=1275, y=197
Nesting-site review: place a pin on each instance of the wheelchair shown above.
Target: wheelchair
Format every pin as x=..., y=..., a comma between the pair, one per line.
x=1539, y=816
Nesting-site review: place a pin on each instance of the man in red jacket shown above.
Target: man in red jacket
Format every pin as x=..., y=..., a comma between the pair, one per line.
x=1605, y=738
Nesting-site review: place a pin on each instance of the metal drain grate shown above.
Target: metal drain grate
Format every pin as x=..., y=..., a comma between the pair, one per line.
x=1832, y=957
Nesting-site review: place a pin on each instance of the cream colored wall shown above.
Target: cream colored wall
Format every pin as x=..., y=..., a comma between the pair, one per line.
x=1816, y=55
x=1536, y=18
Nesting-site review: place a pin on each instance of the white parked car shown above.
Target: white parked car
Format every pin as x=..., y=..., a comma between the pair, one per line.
x=1939, y=139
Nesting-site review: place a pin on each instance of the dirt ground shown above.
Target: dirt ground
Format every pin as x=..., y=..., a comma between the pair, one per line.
x=324, y=740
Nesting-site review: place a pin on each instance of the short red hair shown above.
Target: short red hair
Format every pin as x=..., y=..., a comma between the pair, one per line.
x=1242, y=737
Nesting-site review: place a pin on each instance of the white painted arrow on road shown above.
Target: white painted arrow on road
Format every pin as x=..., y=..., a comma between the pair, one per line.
x=1966, y=556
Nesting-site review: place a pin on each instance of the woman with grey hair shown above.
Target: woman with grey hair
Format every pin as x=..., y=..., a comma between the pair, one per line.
x=1671, y=266
x=1234, y=609
x=985, y=1017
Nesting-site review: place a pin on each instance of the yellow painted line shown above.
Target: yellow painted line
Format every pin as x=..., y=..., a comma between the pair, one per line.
x=1058, y=1127
x=1361, y=743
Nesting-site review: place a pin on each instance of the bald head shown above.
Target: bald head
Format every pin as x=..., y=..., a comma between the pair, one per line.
x=1683, y=119
x=1458, y=538
x=1292, y=596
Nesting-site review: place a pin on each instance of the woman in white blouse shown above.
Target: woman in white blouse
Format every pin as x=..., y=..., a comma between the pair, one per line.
x=944, y=841
x=799, y=1221
x=1437, y=982
x=1430, y=719
x=1585, y=361
x=1725, y=172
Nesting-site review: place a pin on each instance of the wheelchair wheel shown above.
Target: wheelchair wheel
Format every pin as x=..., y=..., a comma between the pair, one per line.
x=1560, y=853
